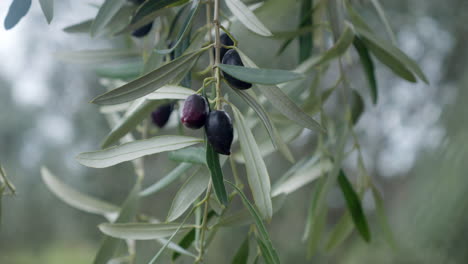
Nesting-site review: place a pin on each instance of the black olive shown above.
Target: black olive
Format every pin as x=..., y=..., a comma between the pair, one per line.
x=226, y=41
x=219, y=132
x=195, y=111
x=161, y=115
x=143, y=31
x=232, y=58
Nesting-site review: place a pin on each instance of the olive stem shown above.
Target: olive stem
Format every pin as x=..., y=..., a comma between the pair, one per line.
x=217, y=54
x=204, y=224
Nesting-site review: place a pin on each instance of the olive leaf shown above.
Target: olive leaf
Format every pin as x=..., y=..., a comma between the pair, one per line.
x=146, y=13
x=247, y=17
x=96, y=56
x=383, y=17
x=17, y=10
x=368, y=66
x=185, y=243
x=356, y=19
x=47, y=7
x=166, y=180
x=242, y=254
x=81, y=27
x=106, y=12
x=75, y=198
x=170, y=92
x=262, y=232
x=257, y=173
x=135, y=149
x=354, y=205
x=357, y=107
x=193, y=187
x=141, y=231
x=260, y=76
x=123, y=70
x=195, y=155
x=306, y=42
x=151, y=81
x=217, y=178
x=316, y=220
x=276, y=139
x=382, y=218
x=340, y=232
x=185, y=28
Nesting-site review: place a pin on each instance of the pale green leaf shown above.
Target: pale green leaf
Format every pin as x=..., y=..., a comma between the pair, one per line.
x=260, y=76
x=81, y=27
x=133, y=150
x=140, y=231
x=96, y=56
x=195, y=155
x=147, y=12
x=166, y=180
x=124, y=70
x=75, y=198
x=170, y=92
x=247, y=17
x=17, y=10
x=106, y=12
x=340, y=232
x=150, y=82
x=257, y=173
x=193, y=187
x=47, y=7
x=383, y=17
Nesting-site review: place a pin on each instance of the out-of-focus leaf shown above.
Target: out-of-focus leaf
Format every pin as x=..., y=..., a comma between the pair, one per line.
x=356, y=19
x=247, y=17
x=47, y=7
x=357, y=107
x=283, y=103
x=96, y=56
x=170, y=92
x=368, y=66
x=195, y=155
x=124, y=70
x=129, y=121
x=354, y=205
x=18, y=9
x=265, y=252
x=2, y=189
x=260, y=76
x=259, y=224
x=166, y=180
x=242, y=254
x=81, y=27
x=185, y=243
x=257, y=173
x=316, y=220
x=133, y=150
x=276, y=139
x=302, y=176
x=340, y=232
x=150, y=82
x=306, y=41
x=184, y=29
x=110, y=245
x=383, y=17
x=382, y=218
x=147, y=12
x=75, y=198
x=338, y=49
x=188, y=193
x=140, y=231
x=212, y=160
x=106, y=12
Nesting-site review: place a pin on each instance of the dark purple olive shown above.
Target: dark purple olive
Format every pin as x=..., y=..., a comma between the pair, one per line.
x=143, y=31
x=219, y=132
x=195, y=111
x=161, y=115
x=226, y=41
x=232, y=58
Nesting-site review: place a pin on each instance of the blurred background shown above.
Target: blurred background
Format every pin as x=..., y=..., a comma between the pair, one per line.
x=414, y=141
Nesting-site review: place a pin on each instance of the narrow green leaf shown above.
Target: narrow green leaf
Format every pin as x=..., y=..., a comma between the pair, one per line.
x=124, y=70
x=166, y=180
x=110, y=245
x=184, y=29
x=283, y=103
x=129, y=121
x=18, y=9
x=275, y=137
x=135, y=149
x=47, y=7
x=299, y=177
x=140, y=231
x=265, y=252
x=151, y=81
x=217, y=178
x=106, y=12
x=247, y=17
x=382, y=218
x=354, y=205
x=195, y=155
x=193, y=187
x=75, y=198
x=257, y=173
x=368, y=66
x=147, y=12
x=260, y=76
x=242, y=254
x=82, y=27
x=96, y=56
x=340, y=232
x=357, y=107
x=338, y=49
x=170, y=92
x=356, y=19
x=258, y=223
x=383, y=17
x=306, y=41
x=185, y=243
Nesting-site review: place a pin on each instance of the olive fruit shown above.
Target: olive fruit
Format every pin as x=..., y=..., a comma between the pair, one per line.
x=161, y=115
x=232, y=58
x=195, y=111
x=226, y=41
x=143, y=31
x=219, y=132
